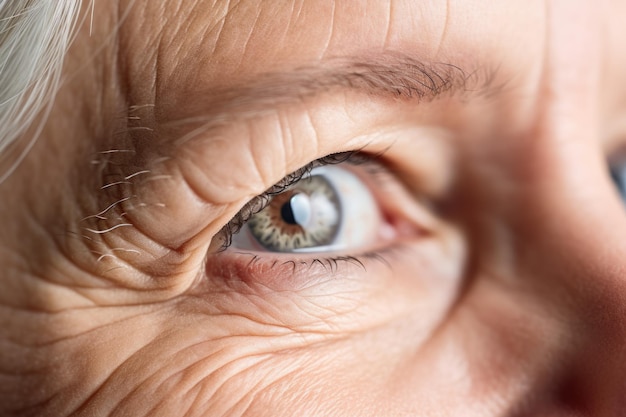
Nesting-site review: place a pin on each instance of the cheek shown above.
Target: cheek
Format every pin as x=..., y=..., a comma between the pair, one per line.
x=172, y=359
x=231, y=365
x=238, y=346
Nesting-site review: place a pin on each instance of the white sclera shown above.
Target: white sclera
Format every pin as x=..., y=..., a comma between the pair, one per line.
x=360, y=215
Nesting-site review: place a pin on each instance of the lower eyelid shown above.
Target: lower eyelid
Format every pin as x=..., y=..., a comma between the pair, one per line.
x=293, y=272
x=418, y=275
x=433, y=259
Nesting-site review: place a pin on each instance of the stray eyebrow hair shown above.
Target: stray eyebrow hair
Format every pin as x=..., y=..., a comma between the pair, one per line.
x=390, y=75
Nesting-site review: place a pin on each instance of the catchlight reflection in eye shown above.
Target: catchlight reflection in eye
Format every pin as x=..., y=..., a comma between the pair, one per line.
x=329, y=209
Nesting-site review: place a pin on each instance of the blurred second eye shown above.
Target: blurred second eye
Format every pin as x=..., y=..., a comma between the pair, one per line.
x=618, y=174
x=328, y=210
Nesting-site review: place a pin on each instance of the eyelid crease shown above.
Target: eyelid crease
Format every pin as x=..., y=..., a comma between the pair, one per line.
x=258, y=203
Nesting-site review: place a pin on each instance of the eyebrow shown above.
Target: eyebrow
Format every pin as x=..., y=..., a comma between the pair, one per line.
x=387, y=75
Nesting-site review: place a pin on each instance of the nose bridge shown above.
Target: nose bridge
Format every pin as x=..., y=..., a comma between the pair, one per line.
x=568, y=217
x=563, y=171
x=568, y=225
x=564, y=201
x=568, y=95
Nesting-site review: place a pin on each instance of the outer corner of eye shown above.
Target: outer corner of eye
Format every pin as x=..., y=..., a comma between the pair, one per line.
x=220, y=241
x=244, y=240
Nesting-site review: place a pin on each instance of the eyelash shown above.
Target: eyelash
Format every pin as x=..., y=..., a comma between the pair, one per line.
x=259, y=202
x=331, y=264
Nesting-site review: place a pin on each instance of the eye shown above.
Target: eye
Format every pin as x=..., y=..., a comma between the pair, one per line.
x=618, y=174
x=345, y=214
x=329, y=209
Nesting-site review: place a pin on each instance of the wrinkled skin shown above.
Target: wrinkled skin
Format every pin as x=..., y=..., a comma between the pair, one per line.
x=506, y=296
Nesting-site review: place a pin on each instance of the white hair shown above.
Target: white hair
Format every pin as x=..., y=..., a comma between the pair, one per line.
x=34, y=38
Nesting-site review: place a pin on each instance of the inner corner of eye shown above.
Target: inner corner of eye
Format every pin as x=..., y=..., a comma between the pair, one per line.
x=330, y=209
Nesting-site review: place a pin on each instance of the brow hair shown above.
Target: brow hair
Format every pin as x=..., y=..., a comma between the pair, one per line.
x=393, y=75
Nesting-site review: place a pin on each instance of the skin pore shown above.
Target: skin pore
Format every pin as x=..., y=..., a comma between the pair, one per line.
x=496, y=289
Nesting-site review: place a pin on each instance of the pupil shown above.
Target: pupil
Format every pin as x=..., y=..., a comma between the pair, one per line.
x=286, y=212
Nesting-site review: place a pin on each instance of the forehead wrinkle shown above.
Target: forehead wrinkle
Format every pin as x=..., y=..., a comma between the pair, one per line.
x=385, y=76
